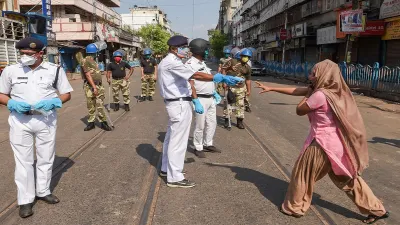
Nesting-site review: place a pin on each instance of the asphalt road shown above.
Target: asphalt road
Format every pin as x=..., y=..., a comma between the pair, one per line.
x=110, y=177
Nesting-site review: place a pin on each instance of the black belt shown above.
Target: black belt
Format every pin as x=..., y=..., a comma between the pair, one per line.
x=118, y=78
x=187, y=99
x=204, y=96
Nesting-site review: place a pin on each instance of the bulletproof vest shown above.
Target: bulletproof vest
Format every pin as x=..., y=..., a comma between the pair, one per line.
x=89, y=65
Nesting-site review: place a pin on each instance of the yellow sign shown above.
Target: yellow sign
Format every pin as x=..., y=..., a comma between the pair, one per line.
x=392, y=30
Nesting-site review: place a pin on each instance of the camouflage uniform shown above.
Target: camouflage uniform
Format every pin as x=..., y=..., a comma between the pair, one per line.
x=122, y=85
x=236, y=68
x=220, y=86
x=89, y=65
x=148, y=80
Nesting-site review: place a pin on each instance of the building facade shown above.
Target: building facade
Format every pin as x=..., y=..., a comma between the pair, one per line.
x=312, y=30
x=226, y=13
x=9, y=5
x=141, y=16
x=77, y=23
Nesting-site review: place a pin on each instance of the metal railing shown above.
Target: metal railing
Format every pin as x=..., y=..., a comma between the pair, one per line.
x=384, y=79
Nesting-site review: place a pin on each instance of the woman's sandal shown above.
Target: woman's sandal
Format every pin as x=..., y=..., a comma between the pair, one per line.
x=293, y=215
x=376, y=218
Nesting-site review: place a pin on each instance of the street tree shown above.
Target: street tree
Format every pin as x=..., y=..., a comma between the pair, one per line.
x=154, y=37
x=217, y=41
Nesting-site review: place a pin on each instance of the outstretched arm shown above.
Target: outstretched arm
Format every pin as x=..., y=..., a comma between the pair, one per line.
x=300, y=91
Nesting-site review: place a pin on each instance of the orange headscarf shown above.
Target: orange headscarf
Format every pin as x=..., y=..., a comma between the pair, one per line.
x=330, y=81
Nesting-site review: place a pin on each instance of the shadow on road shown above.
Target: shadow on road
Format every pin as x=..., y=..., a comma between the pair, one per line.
x=57, y=162
x=280, y=103
x=275, y=189
x=149, y=152
x=391, y=142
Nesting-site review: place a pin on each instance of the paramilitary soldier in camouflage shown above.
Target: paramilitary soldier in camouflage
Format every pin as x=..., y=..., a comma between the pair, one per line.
x=222, y=61
x=120, y=81
x=149, y=75
x=94, y=89
x=243, y=70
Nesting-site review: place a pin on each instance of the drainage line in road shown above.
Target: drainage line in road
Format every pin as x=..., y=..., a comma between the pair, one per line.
x=149, y=207
x=321, y=214
x=59, y=168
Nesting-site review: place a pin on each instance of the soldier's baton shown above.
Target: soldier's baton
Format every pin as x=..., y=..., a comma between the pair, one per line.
x=109, y=121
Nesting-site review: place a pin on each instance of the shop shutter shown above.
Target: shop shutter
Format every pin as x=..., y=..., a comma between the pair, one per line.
x=393, y=53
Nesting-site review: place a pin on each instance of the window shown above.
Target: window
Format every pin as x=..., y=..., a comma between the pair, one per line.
x=329, y=4
x=37, y=25
x=72, y=20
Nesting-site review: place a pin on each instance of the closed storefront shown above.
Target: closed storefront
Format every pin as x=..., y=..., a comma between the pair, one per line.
x=393, y=53
x=368, y=50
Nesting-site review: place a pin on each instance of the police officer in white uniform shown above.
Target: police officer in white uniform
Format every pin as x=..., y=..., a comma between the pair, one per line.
x=29, y=89
x=206, y=122
x=176, y=91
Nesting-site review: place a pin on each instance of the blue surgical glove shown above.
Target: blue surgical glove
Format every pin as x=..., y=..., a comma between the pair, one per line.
x=19, y=107
x=229, y=80
x=49, y=104
x=197, y=106
x=217, y=98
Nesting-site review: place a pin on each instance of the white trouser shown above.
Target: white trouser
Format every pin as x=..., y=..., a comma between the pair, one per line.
x=206, y=124
x=23, y=129
x=176, y=139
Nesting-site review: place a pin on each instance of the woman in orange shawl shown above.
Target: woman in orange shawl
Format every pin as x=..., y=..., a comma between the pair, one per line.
x=336, y=144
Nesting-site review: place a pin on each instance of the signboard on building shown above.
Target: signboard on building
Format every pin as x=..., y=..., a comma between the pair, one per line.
x=389, y=8
x=374, y=28
x=392, y=30
x=351, y=21
x=326, y=35
x=299, y=30
x=283, y=34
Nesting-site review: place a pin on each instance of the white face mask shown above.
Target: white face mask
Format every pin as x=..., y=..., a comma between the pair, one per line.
x=28, y=60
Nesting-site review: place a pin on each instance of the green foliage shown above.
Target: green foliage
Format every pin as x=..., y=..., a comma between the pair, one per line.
x=128, y=29
x=218, y=41
x=154, y=37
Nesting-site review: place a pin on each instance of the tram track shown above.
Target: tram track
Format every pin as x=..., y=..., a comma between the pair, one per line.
x=319, y=212
x=5, y=212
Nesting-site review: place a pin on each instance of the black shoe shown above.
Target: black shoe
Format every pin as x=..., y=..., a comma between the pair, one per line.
x=116, y=106
x=25, y=210
x=211, y=149
x=151, y=98
x=50, y=199
x=164, y=174
x=247, y=109
x=142, y=98
x=199, y=154
x=226, y=124
x=181, y=184
x=240, y=123
x=90, y=126
x=104, y=126
x=127, y=108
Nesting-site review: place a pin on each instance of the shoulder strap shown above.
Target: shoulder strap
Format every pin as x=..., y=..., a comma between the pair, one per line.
x=56, y=79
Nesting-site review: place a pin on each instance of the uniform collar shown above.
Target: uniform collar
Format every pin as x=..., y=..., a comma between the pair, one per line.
x=195, y=60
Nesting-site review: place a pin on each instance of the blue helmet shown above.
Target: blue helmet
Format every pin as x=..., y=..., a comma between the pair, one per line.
x=91, y=48
x=246, y=52
x=147, y=52
x=237, y=55
x=227, y=51
x=117, y=53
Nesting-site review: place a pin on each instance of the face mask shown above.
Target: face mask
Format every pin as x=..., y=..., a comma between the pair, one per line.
x=28, y=60
x=245, y=59
x=226, y=56
x=117, y=59
x=183, y=52
x=147, y=56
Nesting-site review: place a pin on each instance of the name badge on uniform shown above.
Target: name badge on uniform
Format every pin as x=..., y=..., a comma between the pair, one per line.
x=122, y=68
x=22, y=78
